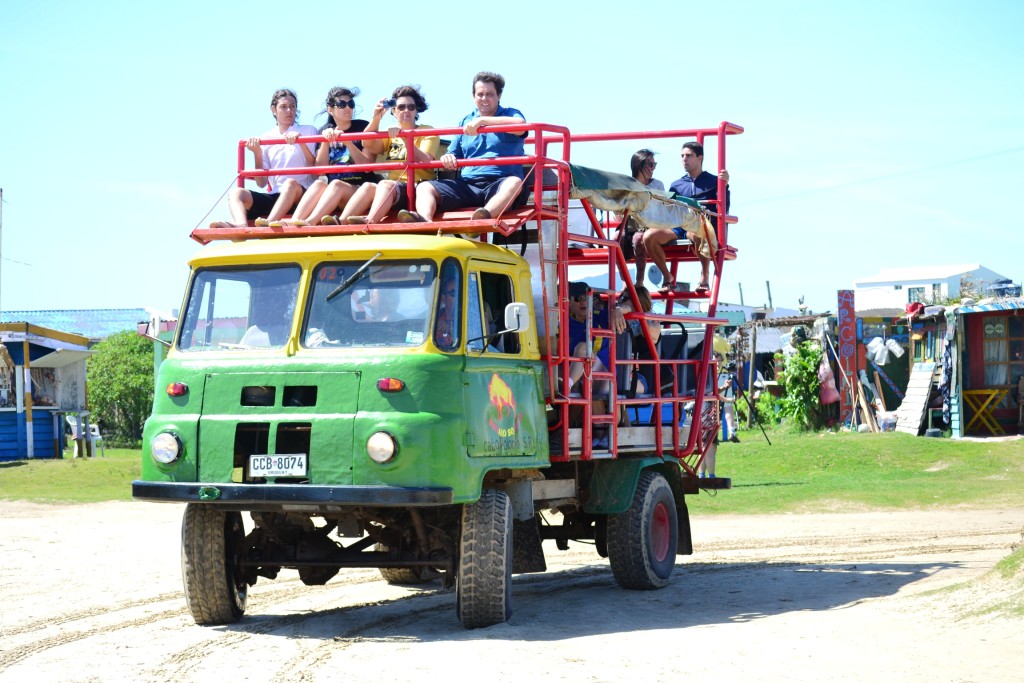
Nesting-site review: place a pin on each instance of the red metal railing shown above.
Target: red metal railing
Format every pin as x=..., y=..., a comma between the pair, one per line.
x=541, y=137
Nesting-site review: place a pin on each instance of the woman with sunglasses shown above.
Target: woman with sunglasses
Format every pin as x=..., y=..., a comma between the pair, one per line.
x=391, y=193
x=641, y=167
x=328, y=193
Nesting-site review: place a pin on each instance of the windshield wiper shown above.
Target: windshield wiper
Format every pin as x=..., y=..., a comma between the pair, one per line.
x=353, y=278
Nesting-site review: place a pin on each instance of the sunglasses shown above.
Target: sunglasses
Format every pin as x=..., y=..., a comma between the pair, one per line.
x=581, y=297
x=341, y=104
x=449, y=292
x=405, y=107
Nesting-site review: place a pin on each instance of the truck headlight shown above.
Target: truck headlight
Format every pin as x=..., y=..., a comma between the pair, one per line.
x=381, y=447
x=165, y=447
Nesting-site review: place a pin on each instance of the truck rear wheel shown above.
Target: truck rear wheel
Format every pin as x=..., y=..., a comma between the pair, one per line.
x=215, y=588
x=642, y=541
x=484, y=585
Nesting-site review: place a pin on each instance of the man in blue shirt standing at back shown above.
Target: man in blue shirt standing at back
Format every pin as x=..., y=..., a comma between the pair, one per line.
x=493, y=188
x=697, y=184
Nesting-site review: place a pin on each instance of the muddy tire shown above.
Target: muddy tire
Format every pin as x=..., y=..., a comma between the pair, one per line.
x=642, y=541
x=215, y=588
x=484, y=584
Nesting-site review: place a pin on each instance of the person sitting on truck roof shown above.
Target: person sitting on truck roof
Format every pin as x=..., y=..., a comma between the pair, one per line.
x=492, y=188
x=697, y=184
x=408, y=104
x=329, y=192
x=285, y=190
x=641, y=167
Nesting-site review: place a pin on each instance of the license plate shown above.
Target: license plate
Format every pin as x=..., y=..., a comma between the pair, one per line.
x=278, y=465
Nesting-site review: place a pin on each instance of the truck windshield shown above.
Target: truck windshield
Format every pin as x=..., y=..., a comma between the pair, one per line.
x=388, y=304
x=239, y=308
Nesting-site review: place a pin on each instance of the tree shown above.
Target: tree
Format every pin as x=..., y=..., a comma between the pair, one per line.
x=120, y=385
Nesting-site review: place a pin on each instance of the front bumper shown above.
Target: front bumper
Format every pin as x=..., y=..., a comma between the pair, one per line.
x=289, y=496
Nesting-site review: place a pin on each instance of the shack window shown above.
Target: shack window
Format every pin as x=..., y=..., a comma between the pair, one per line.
x=1003, y=350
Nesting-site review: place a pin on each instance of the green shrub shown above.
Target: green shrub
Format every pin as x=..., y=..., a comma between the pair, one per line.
x=769, y=410
x=120, y=386
x=800, y=381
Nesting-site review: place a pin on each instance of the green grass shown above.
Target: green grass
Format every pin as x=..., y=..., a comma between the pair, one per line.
x=797, y=473
x=844, y=472
x=77, y=480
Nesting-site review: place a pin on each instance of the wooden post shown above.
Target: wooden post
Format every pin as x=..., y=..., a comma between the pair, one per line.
x=751, y=375
x=29, y=436
x=846, y=324
x=910, y=338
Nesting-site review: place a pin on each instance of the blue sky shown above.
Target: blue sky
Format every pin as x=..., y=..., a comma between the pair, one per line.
x=878, y=134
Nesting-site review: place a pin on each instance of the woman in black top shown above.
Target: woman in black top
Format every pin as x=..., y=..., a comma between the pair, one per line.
x=330, y=193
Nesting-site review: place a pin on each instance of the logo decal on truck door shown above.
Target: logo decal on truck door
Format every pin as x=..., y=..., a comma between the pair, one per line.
x=502, y=416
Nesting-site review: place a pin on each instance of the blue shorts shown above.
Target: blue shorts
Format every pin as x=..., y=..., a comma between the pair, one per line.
x=458, y=193
x=680, y=233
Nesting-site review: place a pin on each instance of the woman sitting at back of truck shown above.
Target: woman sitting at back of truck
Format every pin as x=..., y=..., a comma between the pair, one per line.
x=641, y=167
x=285, y=190
x=390, y=194
x=332, y=191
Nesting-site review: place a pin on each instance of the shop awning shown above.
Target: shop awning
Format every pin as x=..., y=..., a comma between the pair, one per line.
x=60, y=358
x=995, y=305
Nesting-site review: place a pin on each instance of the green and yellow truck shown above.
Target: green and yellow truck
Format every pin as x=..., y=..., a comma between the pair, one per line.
x=395, y=396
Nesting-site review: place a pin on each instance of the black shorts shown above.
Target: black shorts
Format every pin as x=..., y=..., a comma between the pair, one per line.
x=263, y=204
x=402, y=200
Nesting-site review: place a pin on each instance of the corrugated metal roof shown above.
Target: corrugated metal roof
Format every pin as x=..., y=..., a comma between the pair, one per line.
x=97, y=323
x=994, y=305
x=769, y=339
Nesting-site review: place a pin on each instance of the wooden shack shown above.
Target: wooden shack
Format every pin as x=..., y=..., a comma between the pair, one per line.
x=42, y=379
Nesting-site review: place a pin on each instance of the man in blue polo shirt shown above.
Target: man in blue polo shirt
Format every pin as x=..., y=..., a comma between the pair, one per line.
x=698, y=184
x=493, y=188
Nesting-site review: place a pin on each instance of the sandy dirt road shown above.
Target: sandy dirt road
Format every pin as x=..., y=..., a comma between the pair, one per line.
x=93, y=593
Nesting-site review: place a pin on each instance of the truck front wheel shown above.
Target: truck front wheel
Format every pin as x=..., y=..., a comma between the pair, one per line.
x=215, y=587
x=642, y=541
x=484, y=584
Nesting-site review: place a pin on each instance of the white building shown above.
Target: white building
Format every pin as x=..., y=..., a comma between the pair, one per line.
x=896, y=287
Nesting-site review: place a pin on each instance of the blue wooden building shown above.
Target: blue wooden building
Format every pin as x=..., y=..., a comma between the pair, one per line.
x=42, y=372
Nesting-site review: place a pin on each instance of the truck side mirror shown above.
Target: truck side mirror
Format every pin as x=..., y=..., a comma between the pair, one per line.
x=517, y=317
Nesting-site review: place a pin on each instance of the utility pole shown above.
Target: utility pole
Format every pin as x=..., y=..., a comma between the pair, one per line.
x=769, y=286
x=741, y=292
x=1, y=245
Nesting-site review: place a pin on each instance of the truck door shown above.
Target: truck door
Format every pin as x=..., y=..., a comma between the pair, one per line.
x=503, y=402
